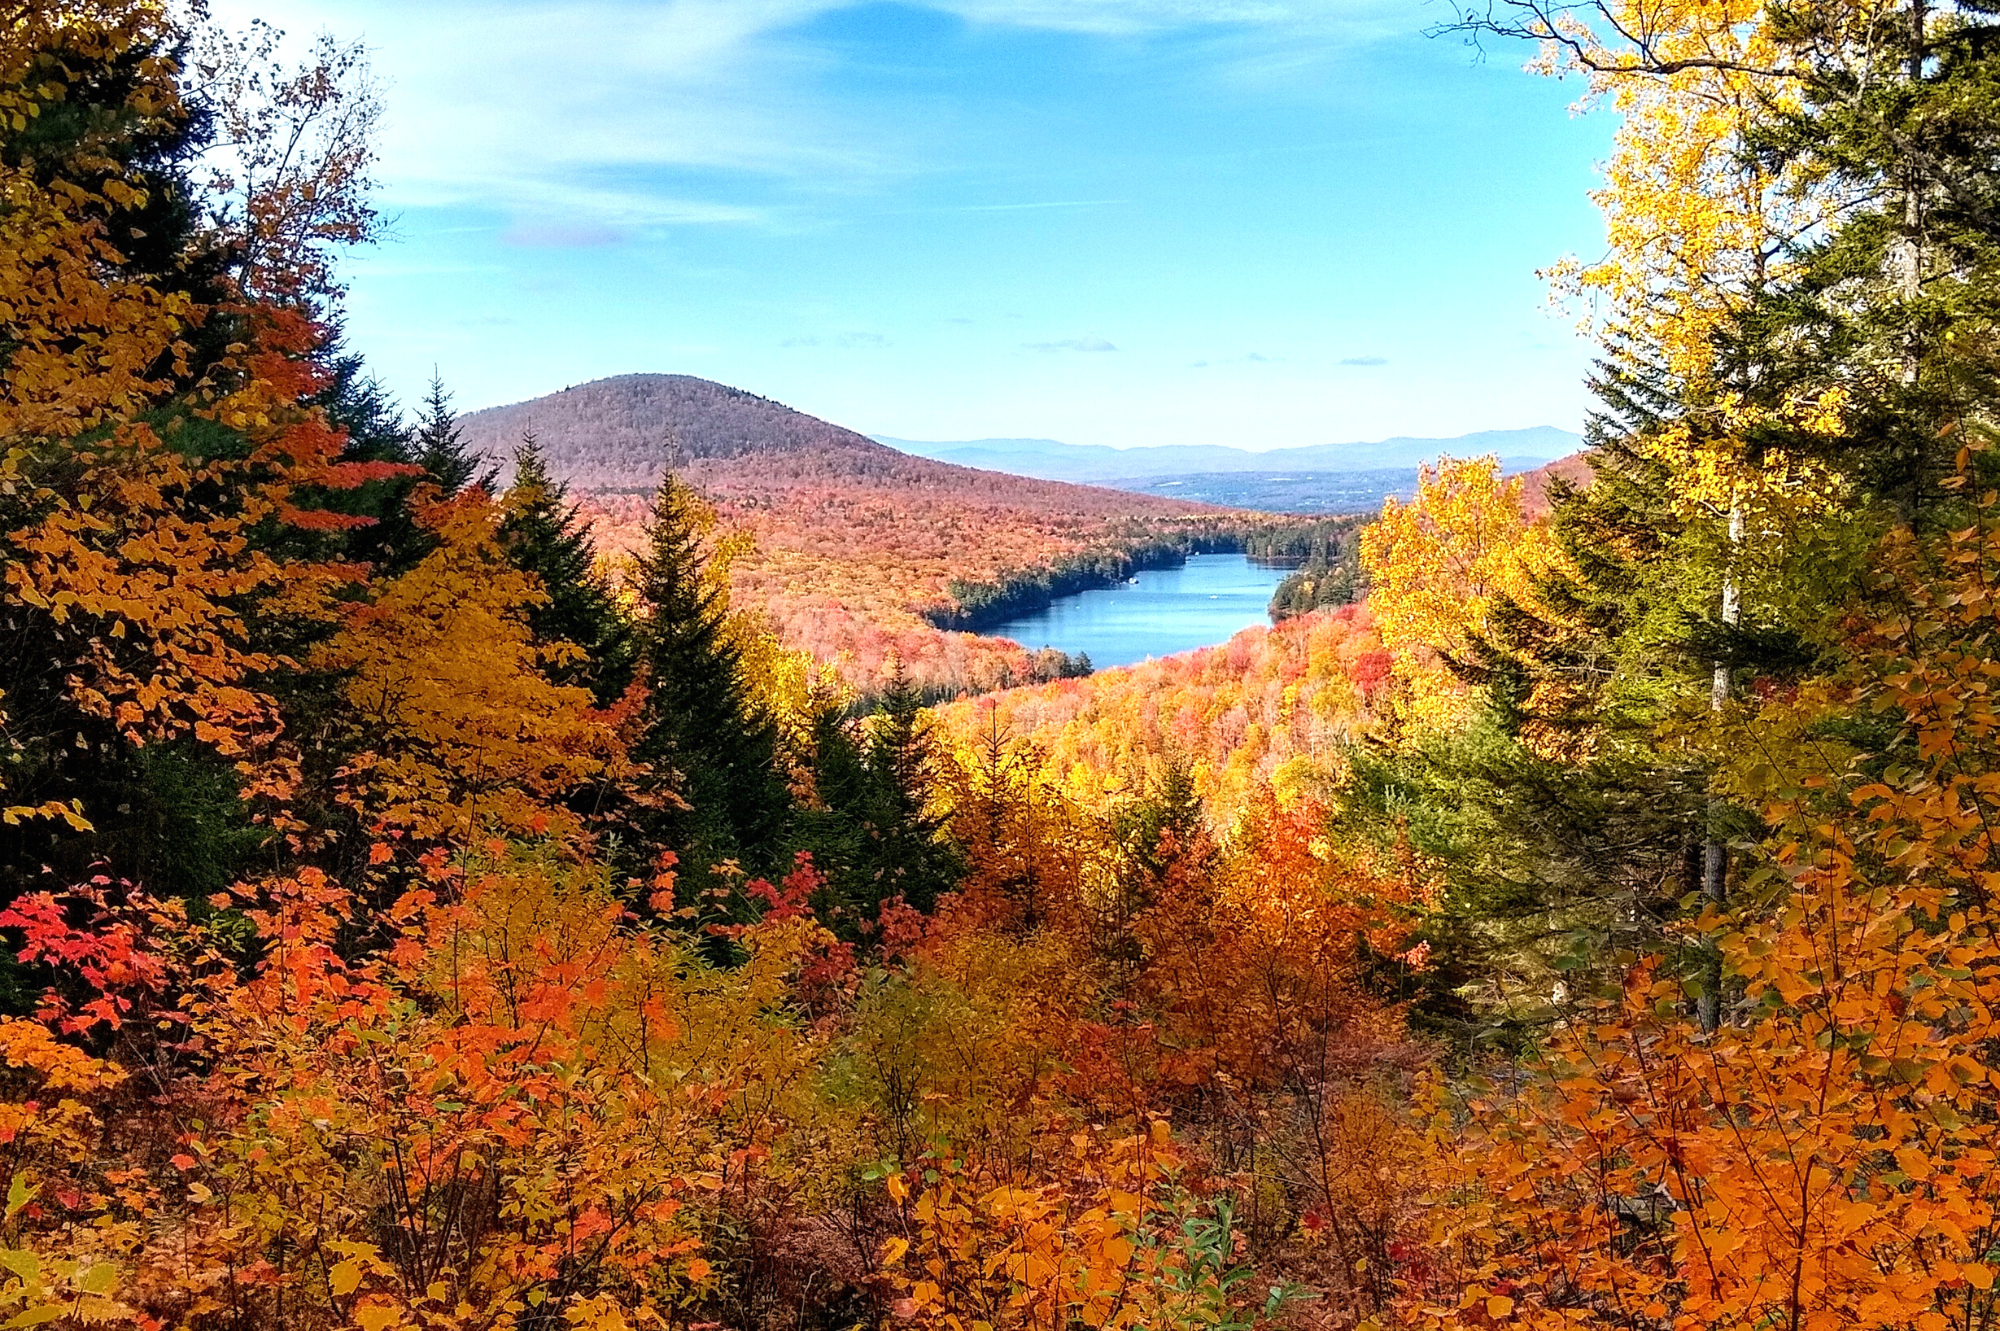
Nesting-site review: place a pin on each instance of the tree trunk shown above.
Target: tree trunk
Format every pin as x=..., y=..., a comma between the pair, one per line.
x=1714, y=855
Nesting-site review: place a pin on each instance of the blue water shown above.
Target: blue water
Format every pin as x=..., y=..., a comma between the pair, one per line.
x=1205, y=601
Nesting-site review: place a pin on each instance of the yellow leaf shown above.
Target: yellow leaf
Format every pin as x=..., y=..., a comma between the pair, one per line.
x=898, y=1189
x=375, y=1317
x=893, y=1250
x=345, y=1277
x=1498, y=1306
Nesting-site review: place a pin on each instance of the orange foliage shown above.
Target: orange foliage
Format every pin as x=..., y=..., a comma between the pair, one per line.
x=125, y=545
x=1270, y=705
x=1220, y=982
x=1827, y=1157
x=1110, y=1242
x=845, y=567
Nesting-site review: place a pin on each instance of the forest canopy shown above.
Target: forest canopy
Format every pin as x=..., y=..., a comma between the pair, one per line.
x=415, y=919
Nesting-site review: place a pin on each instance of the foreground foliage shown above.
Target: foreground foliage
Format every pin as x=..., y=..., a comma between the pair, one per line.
x=410, y=924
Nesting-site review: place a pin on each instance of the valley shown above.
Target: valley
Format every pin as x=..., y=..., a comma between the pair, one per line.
x=864, y=557
x=596, y=863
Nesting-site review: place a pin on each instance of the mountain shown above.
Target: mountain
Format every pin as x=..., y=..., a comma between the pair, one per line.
x=1050, y=459
x=619, y=434
x=858, y=546
x=1328, y=492
x=1575, y=469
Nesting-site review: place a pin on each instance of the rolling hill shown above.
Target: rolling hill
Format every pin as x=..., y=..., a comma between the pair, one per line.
x=1132, y=468
x=858, y=546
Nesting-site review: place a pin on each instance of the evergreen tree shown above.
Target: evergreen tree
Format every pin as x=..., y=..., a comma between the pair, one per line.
x=873, y=829
x=1898, y=304
x=918, y=861
x=544, y=535
x=706, y=739
x=1161, y=829
x=440, y=447
x=356, y=402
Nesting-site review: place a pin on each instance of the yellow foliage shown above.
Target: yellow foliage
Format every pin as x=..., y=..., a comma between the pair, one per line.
x=1437, y=564
x=462, y=734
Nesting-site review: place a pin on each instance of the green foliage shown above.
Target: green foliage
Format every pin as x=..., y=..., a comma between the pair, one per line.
x=875, y=830
x=709, y=744
x=544, y=535
x=439, y=445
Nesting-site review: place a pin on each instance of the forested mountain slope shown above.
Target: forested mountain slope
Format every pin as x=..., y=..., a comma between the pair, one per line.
x=858, y=547
x=1270, y=707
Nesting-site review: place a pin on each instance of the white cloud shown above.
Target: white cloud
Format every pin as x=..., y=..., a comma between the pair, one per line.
x=578, y=111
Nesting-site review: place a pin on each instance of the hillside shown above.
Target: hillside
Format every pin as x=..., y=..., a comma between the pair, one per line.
x=856, y=543
x=1575, y=469
x=1271, y=705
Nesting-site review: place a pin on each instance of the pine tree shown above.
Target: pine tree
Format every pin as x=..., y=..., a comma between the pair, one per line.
x=704, y=736
x=919, y=862
x=544, y=535
x=440, y=446
x=873, y=829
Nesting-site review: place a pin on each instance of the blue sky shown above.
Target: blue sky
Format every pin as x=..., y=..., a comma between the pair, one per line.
x=1261, y=223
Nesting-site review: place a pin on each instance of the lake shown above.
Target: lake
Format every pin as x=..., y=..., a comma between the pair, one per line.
x=1164, y=611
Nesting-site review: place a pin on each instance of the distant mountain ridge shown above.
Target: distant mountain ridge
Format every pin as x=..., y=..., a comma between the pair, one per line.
x=1053, y=460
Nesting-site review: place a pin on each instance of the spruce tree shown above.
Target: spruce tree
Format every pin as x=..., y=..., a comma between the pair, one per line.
x=356, y=403
x=440, y=446
x=709, y=744
x=543, y=534
x=871, y=828
x=919, y=862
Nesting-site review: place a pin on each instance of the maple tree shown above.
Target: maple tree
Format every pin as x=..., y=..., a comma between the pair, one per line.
x=416, y=921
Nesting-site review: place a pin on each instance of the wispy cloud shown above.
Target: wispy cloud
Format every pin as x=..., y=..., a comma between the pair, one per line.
x=600, y=110
x=1365, y=362
x=564, y=236
x=1070, y=344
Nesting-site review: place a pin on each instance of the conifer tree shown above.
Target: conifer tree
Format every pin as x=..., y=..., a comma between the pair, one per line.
x=704, y=736
x=544, y=535
x=440, y=445
x=919, y=862
x=873, y=829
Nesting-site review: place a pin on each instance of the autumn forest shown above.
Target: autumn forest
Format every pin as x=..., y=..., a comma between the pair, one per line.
x=490, y=871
